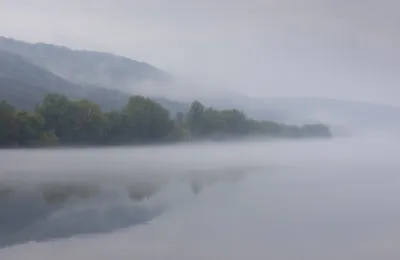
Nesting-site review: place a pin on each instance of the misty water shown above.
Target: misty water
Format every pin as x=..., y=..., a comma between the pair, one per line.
x=320, y=199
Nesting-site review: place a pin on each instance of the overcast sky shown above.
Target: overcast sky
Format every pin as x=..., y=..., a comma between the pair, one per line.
x=336, y=48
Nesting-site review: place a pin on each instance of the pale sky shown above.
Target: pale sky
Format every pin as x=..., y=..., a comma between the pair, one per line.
x=330, y=48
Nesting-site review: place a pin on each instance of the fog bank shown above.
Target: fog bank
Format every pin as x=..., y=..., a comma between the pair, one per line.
x=330, y=199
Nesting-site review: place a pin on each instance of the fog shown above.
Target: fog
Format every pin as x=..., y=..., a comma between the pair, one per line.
x=339, y=49
x=322, y=199
x=260, y=199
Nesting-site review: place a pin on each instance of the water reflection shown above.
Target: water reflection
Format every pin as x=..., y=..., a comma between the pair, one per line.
x=320, y=200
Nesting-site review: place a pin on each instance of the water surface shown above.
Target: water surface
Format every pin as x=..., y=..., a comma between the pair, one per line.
x=326, y=199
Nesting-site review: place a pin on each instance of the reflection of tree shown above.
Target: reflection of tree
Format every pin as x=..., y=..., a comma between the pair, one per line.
x=5, y=191
x=59, y=193
x=196, y=186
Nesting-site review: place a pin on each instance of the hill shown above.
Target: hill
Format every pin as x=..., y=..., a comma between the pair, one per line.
x=24, y=84
x=93, y=71
x=86, y=67
x=29, y=71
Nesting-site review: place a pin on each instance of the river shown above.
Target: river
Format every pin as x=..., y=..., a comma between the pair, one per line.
x=321, y=199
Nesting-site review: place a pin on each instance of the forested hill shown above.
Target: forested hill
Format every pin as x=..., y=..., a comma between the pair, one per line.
x=24, y=84
x=85, y=67
x=54, y=95
x=58, y=120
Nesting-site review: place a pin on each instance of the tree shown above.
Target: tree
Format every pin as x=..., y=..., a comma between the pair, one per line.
x=291, y=131
x=315, y=130
x=7, y=124
x=87, y=122
x=142, y=119
x=114, y=132
x=179, y=131
x=48, y=138
x=73, y=122
x=266, y=128
x=235, y=122
x=58, y=119
x=179, y=119
x=29, y=128
x=214, y=124
x=195, y=119
x=54, y=109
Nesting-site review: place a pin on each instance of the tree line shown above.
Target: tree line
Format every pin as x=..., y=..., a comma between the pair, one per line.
x=60, y=121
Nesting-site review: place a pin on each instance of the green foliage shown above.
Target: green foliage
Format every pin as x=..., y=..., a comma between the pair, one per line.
x=54, y=110
x=48, y=138
x=205, y=122
x=141, y=120
x=195, y=118
x=7, y=124
x=145, y=119
x=179, y=131
x=87, y=122
x=29, y=128
x=58, y=120
x=236, y=122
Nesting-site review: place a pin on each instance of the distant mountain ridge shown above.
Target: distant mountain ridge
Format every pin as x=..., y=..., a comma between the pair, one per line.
x=15, y=67
x=85, y=67
x=24, y=84
x=121, y=76
x=29, y=71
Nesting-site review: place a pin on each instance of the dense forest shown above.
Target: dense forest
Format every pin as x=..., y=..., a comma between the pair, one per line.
x=58, y=120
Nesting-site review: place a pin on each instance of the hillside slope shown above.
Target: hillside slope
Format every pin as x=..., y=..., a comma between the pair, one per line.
x=86, y=67
x=24, y=84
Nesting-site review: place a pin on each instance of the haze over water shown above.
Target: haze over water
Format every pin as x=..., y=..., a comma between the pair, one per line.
x=322, y=199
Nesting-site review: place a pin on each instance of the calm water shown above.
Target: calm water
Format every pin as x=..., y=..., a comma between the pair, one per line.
x=336, y=199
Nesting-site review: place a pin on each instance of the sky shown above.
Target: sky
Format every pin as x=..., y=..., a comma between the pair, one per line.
x=262, y=48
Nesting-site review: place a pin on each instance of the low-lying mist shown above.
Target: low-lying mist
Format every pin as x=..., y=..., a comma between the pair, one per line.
x=307, y=199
